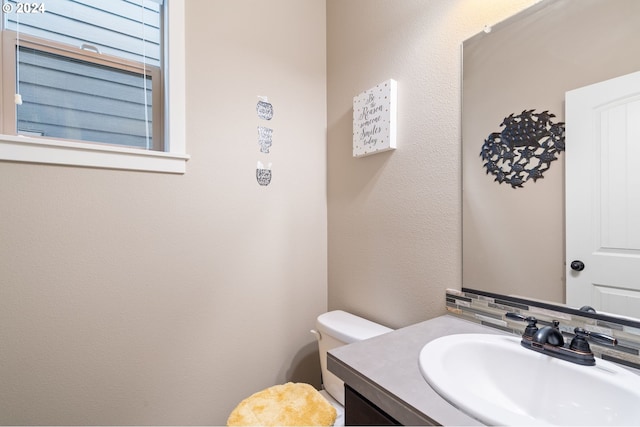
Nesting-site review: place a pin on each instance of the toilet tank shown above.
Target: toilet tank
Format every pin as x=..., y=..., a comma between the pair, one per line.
x=337, y=328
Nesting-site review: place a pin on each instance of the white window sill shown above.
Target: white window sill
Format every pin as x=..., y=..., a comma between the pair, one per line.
x=50, y=151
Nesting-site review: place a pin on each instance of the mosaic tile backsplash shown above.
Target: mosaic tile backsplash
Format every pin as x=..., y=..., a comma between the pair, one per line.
x=490, y=311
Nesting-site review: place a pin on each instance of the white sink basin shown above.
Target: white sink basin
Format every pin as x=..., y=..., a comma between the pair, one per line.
x=498, y=382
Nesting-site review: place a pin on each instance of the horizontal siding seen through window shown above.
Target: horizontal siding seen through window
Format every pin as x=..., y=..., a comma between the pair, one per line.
x=69, y=99
x=78, y=22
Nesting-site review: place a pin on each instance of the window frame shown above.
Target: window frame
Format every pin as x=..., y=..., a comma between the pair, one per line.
x=22, y=148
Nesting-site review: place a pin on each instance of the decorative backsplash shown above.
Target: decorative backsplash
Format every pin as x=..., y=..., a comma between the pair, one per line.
x=490, y=310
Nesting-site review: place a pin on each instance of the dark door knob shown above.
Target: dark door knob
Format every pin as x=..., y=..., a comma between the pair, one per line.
x=577, y=265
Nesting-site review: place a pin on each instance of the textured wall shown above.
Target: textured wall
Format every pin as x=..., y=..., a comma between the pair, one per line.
x=395, y=217
x=141, y=298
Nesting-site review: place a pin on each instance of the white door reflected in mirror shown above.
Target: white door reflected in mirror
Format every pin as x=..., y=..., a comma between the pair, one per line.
x=603, y=195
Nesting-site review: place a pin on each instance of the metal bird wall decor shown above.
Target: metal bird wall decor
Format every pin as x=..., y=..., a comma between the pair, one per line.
x=524, y=149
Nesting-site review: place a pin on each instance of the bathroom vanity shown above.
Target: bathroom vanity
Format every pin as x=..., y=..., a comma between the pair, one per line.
x=383, y=383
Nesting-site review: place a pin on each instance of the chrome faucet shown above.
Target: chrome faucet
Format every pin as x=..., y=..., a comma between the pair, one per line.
x=550, y=341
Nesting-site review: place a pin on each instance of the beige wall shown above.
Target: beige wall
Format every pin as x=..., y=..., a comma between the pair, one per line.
x=142, y=298
x=395, y=217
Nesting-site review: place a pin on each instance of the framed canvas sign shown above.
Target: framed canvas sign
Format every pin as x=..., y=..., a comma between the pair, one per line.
x=374, y=119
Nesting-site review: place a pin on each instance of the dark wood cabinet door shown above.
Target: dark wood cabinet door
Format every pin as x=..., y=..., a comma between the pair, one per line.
x=361, y=412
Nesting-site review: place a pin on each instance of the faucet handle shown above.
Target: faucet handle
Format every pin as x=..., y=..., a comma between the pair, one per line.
x=532, y=326
x=579, y=342
x=518, y=316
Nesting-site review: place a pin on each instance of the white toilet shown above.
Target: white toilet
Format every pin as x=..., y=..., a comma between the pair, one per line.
x=334, y=329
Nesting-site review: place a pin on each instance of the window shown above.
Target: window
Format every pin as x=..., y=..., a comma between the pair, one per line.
x=94, y=93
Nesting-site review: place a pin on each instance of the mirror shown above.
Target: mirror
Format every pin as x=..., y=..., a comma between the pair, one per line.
x=514, y=236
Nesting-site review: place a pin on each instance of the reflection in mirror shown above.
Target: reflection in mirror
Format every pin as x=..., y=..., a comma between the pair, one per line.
x=514, y=235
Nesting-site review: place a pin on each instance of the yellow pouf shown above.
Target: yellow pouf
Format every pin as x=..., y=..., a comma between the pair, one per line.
x=290, y=404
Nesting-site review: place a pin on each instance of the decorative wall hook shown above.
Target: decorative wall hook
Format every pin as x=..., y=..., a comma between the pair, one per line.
x=264, y=109
x=265, y=138
x=263, y=174
x=524, y=149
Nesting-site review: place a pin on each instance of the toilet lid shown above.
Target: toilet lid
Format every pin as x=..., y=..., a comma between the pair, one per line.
x=349, y=328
